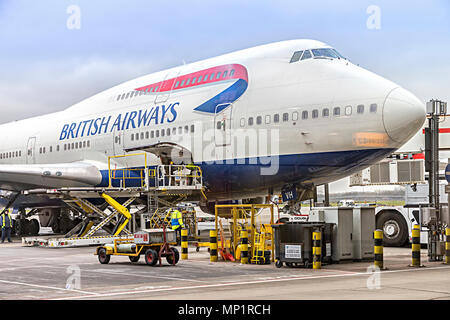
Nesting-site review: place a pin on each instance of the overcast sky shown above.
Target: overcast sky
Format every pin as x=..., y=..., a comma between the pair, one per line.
x=46, y=66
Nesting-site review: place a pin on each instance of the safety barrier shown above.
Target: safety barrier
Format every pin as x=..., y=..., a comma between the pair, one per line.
x=244, y=246
x=213, y=245
x=415, y=247
x=317, y=250
x=378, y=248
x=184, y=244
x=447, y=246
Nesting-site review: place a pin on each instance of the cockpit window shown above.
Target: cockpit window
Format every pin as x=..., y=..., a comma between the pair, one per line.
x=306, y=55
x=339, y=55
x=296, y=56
x=324, y=53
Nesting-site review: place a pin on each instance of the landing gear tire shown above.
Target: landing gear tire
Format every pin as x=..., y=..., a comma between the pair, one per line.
x=151, y=257
x=103, y=257
x=34, y=227
x=395, y=230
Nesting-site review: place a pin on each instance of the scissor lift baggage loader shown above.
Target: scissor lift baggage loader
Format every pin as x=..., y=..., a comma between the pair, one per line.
x=152, y=243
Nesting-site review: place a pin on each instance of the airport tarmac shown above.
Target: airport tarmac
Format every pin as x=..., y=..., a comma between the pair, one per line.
x=75, y=273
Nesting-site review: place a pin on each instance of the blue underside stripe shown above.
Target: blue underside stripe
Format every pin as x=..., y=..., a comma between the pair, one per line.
x=229, y=95
x=245, y=174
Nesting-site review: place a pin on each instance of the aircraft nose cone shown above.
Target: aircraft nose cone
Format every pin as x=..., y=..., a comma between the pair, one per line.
x=403, y=115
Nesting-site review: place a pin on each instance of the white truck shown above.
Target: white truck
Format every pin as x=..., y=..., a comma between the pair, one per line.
x=397, y=221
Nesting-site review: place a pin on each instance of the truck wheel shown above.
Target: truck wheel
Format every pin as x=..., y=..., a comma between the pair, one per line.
x=134, y=258
x=151, y=257
x=103, y=258
x=278, y=264
x=395, y=229
x=169, y=258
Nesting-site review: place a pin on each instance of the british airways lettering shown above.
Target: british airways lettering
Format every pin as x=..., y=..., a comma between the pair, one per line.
x=123, y=121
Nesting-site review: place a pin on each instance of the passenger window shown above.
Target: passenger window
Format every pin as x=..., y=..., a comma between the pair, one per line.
x=123, y=96
x=360, y=109
x=267, y=119
x=88, y=143
x=163, y=132
x=152, y=134
x=211, y=76
x=306, y=55
x=206, y=77
x=219, y=125
x=242, y=122
x=84, y=144
x=232, y=73
x=142, y=135
x=315, y=114
x=188, y=81
x=157, y=133
x=225, y=73
x=186, y=129
x=337, y=111
x=193, y=80
x=258, y=120
x=128, y=94
x=373, y=107
x=250, y=121
x=182, y=82
x=192, y=128
x=325, y=112
x=276, y=118
x=176, y=84
x=167, y=132
x=174, y=131
x=296, y=56
x=147, y=135
x=295, y=116
x=180, y=130
x=137, y=136
x=156, y=89
x=305, y=115
x=218, y=75
x=348, y=110
x=199, y=79
x=285, y=117
x=118, y=97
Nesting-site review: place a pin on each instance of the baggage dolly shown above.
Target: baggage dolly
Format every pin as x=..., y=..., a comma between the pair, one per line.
x=152, y=243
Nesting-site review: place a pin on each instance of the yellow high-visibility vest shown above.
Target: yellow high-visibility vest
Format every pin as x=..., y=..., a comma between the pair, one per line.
x=177, y=219
x=4, y=220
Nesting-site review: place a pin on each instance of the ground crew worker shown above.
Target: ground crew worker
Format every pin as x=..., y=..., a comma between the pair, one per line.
x=177, y=223
x=6, y=223
x=193, y=174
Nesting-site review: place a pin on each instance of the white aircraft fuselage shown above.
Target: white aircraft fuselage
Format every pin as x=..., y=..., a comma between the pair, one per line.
x=292, y=112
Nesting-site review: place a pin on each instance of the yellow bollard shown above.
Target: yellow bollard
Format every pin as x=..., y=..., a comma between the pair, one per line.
x=378, y=248
x=213, y=245
x=184, y=244
x=244, y=246
x=317, y=250
x=447, y=246
x=415, y=247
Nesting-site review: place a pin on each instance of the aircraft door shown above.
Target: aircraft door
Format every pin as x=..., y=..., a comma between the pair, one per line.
x=118, y=142
x=31, y=155
x=222, y=124
x=167, y=86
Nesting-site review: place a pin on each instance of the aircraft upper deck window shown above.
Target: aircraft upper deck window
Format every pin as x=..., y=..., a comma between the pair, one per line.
x=325, y=112
x=163, y=132
x=174, y=131
x=182, y=82
x=192, y=128
x=258, y=120
x=157, y=133
x=218, y=75
x=232, y=73
x=296, y=56
x=118, y=97
x=315, y=114
x=205, y=78
x=242, y=122
x=193, y=80
x=225, y=73
x=188, y=81
x=373, y=107
x=306, y=55
x=295, y=116
x=267, y=119
x=199, y=79
x=177, y=84
x=250, y=121
x=212, y=76
x=285, y=117
x=324, y=53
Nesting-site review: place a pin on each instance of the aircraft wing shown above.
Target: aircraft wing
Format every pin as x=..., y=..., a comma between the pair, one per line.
x=17, y=177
